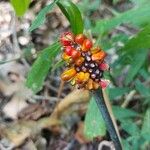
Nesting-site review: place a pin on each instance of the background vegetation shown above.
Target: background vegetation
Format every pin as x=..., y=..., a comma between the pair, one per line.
x=122, y=29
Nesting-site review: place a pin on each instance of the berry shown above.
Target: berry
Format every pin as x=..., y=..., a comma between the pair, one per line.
x=68, y=50
x=87, y=44
x=68, y=74
x=67, y=39
x=99, y=56
x=104, y=83
x=75, y=54
x=79, y=61
x=103, y=66
x=79, y=39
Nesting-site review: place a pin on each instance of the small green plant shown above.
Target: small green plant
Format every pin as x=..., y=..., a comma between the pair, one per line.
x=132, y=64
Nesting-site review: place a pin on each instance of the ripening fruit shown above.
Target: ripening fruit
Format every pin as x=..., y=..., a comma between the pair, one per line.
x=86, y=76
x=95, y=50
x=80, y=38
x=104, y=83
x=99, y=56
x=89, y=85
x=87, y=44
x=103, y=66
x=75, y=54
x=68, y=74
x=80, y=77
x=65, y=57
x=68, y=50
x=66, y=38
x=79, y=61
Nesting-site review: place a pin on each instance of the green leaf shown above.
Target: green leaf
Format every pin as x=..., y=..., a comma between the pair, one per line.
x=144, y=91
x=145, y=131
x=122, y=113
x=20, y=6
x=115, y=92
x=130, y=127
x=41, y=67
x=139, y=42
x=41, y=17
x=130, y=17
x=72, y=13
x=58, y=64
x=94, y=123
x=136, y=64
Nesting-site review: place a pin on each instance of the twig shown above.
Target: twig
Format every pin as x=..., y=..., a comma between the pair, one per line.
x=128, y=99
x=60, y=89
x=107, y=118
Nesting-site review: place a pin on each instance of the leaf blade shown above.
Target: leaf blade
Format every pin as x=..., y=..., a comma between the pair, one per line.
x=41, y=66
x=73, y=15
x=20, y=6
x=40, y=18
x=94, y=123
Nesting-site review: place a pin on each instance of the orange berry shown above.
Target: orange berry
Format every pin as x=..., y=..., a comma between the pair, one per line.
x=80, y=77
x=65, y=57
x=86, y=77
x=75, y=54
x=99, y=56
x=87, y=44
x=80, y=38
x=66, y=38
x=95, y=50
x=95, y=85
x=68, y=74
x=90, y=84
x=79, y=61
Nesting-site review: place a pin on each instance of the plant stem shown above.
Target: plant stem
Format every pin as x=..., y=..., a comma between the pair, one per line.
x=107, y=118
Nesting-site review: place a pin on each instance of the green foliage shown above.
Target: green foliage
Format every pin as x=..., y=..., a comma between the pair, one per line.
x=140, y=42
x=122, y=113
x=136, y=64
x=116, y=92
x=94, y=123
x=143, y=13
x=72, y=13
x=41, y=67
x=146, y=125
x=144, y=91
x=20, y=6
x=40, y=18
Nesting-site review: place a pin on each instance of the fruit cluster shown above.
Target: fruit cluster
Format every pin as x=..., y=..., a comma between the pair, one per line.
x=85, y=63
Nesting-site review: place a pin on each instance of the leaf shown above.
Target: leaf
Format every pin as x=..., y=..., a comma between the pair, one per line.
x=146, y=125
x=20, y=6
x=41, y=67
x=94, y=123
x=136, y=64
x=122, y=113
x=58, y=64
x=130, y=127
x=115, y=92
x=40, y=18
x=106, y=25
x=144, y=91
x=72, y=13
x=139, y=42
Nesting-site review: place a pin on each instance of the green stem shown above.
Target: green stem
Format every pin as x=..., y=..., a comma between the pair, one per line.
x=107, y=118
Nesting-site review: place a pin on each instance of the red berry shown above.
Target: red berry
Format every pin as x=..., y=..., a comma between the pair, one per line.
x=68, y=50
x=79, y=39
x=87, y=44
x=66, y=38
x=75, y=54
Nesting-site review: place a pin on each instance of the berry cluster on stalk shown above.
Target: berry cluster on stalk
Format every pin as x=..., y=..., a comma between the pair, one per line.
x=85, y=62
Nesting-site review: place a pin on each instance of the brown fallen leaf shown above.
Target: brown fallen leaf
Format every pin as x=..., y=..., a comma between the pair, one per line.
x=79, y=135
